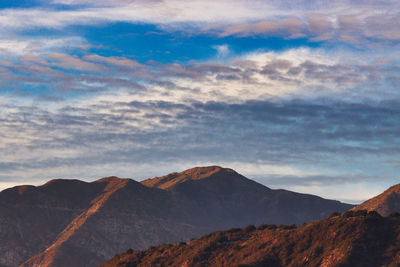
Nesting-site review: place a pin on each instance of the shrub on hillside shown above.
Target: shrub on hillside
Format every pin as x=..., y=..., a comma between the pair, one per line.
x=234, y=230
x=355, y=213
x=220, y=237
x=249, y=228
x=373, y=215
x=334, y=214
x=266, y=226
x=287, y=227
x=394, y=215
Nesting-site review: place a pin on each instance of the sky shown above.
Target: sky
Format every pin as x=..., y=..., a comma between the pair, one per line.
x=301, y=95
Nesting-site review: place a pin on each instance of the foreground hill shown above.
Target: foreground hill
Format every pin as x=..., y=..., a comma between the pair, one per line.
x=74, y=223
x=352, y=239
x=385, y=203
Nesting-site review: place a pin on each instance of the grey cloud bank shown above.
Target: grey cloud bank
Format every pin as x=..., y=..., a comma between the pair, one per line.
x=319, y=116
x=318, y=136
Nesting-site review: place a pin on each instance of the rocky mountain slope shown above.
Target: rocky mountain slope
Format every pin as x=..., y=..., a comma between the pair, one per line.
x=74, y=223
x=385, y=203
x=355, y=238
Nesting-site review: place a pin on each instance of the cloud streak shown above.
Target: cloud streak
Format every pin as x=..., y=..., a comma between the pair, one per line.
x=348, y=21
x=262, y=75
x=300, y=94
x=292, y=133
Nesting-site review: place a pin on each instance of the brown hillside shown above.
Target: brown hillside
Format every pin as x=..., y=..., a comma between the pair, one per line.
x=352, y=239
x=385, y=203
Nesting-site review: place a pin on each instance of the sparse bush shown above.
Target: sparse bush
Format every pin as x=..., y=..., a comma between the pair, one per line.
x=394, y=215
x=287, y=227
x=268, y=262
x=355, y=213
x=302, y=225
x=318, y=251
x=262, y=226
x=361, y=213
x=348, y=214
x=234, y=230
x=334, y=214
x=211, y=247
x=129, y=251
x=373, y=215
x=220, y=237
x=249, y=228
x=266, y=226
x=164, y=247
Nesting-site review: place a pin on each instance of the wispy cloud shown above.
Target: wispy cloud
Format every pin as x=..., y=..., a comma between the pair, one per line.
x=323, y=98
x=349, y=21
x=222, y=51
x=70, y=141
x=33, y=45
x=297, y=73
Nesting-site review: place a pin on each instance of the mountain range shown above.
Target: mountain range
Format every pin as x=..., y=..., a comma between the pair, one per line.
x=76, y=223
x=368, y=235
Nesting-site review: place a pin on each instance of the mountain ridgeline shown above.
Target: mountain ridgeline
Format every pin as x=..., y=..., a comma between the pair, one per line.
x=76, y=223
x=385, y=203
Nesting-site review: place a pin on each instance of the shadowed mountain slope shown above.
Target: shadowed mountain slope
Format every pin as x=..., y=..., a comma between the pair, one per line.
x=31, y=217
x=125, y=214
x=239, y=201
x=351, y=239
x=74, y=223
x=385, y=203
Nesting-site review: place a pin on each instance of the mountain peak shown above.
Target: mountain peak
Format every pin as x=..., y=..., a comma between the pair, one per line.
x=109, y=179
x=385, y=203
x=61, y=182
x=196, y=173
x=202, y=172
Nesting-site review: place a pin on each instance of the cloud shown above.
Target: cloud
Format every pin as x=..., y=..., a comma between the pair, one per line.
x=289, y=27
x=364, y=21
x=308, y=119
x=115, y=61
x=222, y=50
x=130, y=130
x=34, y=45
x=298, y=114
x=70, y=62
x=303, y=142
x=295, y=73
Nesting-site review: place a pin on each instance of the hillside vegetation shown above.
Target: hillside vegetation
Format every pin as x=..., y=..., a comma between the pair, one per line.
x=355, y=238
